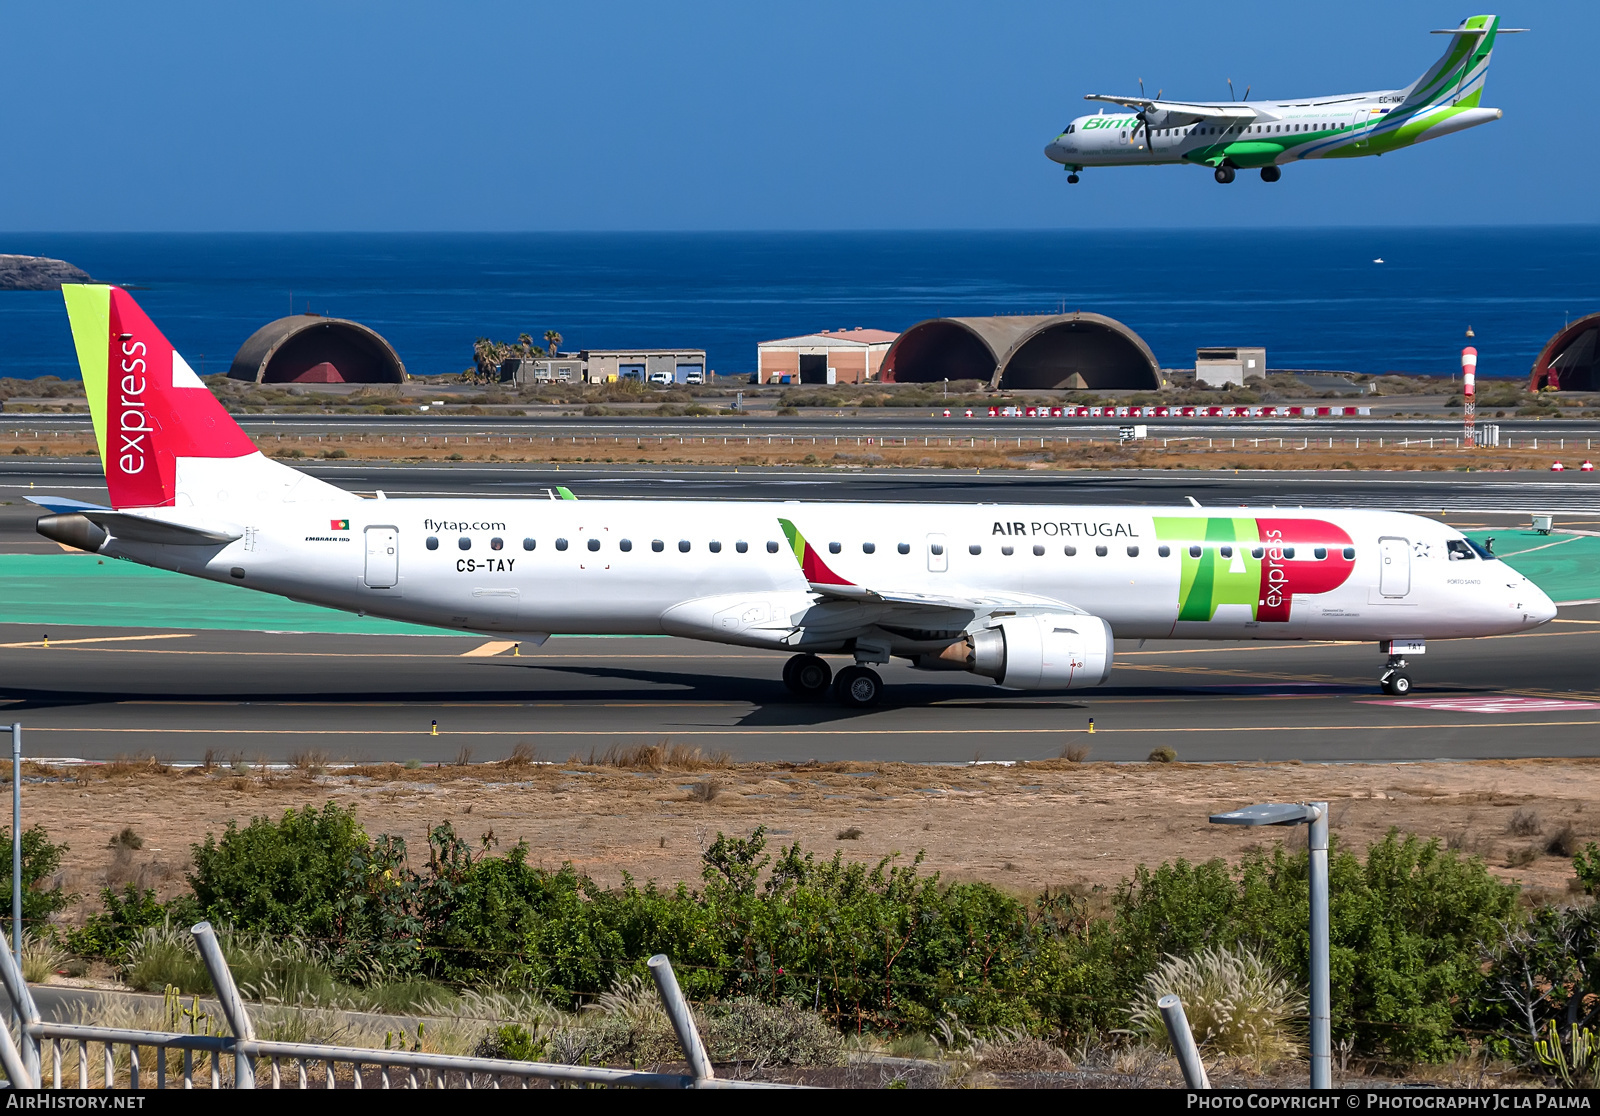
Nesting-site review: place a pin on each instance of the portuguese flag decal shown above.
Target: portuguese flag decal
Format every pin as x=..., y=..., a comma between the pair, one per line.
x=339, y=524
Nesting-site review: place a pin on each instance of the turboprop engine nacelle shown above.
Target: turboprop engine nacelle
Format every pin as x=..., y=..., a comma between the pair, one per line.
x=1053, y=651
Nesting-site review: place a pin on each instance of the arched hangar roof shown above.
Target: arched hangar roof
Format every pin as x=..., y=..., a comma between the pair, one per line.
x=1024, y=351
x=1570, y=361
x=308, y=348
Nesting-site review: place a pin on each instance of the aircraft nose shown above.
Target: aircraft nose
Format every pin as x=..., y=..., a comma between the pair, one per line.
x=1053, y=152
x=1541, y=609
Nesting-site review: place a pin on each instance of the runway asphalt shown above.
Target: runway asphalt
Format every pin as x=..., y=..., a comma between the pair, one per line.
x=178, y=695
x=1513, y=493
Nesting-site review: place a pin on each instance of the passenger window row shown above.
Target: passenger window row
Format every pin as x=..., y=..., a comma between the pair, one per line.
x=1319, y=553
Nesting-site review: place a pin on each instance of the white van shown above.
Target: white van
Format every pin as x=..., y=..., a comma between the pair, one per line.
x=694, y=377
x=661, y=379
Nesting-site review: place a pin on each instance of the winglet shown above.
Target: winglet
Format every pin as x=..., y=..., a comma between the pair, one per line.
x=811, y=563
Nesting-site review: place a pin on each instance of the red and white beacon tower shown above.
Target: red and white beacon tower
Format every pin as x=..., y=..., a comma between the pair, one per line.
x=1469, y=389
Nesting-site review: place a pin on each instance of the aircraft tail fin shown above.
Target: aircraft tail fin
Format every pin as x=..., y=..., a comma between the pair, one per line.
x=163, y=438
x=1457, y=78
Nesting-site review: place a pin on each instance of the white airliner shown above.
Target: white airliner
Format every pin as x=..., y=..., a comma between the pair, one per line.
x=1028, y=595
x=1229, y=136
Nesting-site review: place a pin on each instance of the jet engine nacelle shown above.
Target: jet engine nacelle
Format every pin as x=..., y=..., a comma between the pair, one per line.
x=1055, y=651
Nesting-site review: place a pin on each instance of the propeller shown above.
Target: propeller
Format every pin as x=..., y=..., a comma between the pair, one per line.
x=1143, y=116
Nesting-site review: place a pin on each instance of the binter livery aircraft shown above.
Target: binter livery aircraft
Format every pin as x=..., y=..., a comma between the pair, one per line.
x=1232, y=135
x=1028, y=595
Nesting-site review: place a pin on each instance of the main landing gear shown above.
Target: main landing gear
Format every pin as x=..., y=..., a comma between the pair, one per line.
x=1271, y=174
x=807, y=676
x=1223, y=175
x=855, y=687
x=1395, y=679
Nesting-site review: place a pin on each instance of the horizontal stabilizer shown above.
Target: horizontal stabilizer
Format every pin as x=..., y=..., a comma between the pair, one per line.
x=63, y=505
x=138, y=528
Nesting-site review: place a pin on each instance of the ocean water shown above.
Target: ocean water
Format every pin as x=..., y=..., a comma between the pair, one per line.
x=1315, y=299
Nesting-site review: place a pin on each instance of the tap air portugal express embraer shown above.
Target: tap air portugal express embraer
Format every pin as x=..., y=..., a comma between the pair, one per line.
x=1232, y=135
x=1028, y=595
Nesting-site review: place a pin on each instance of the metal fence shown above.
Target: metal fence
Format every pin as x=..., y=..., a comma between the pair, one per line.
x=84, y=1057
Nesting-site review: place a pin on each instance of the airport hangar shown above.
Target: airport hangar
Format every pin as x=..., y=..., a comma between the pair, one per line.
x=1024, y=352
x=1570, y=361
x=312, y=349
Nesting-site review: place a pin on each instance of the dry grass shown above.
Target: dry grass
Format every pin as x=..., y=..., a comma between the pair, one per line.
x=1058, y=823
x=664, y=756
x=1525, y=823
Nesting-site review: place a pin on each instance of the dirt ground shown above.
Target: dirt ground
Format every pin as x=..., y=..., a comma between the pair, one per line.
x=1022, y=827
x=1038, y=450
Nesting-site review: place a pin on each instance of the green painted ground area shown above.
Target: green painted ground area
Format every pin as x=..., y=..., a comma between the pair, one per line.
x=62, y=589
x=1565, y=566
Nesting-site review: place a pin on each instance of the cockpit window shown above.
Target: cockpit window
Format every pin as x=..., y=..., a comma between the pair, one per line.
x=1070, y=127
x=1481, y=551
x=1458, y=550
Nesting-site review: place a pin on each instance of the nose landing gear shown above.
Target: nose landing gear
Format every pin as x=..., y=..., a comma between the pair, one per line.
x=1072, y=174
x=1395, y=679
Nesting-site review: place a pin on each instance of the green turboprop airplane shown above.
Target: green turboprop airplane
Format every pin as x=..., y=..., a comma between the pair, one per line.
x=1229, y=136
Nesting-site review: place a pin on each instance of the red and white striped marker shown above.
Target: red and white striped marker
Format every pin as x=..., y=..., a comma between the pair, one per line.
x=947, y=412
x=1558, y=468
x=1586, y=467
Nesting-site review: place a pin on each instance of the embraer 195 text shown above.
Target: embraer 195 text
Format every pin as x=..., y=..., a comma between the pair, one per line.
x=1030, y=596
x=1232, y=135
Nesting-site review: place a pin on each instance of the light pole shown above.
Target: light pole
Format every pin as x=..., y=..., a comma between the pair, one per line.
x=1314, y=815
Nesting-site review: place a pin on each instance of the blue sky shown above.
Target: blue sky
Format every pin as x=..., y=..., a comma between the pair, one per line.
x=609, y=115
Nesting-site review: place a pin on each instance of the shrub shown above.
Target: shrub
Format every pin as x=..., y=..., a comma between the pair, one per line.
x=1541, y=972
x=108, y=933
x=1163, y=754
x=41, y=957
x=41, y=859
x=1237, y=1004
x=284, y=877
x=1586, y=866
x=1525, y=823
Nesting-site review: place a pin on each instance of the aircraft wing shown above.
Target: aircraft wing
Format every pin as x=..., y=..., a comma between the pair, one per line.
x=912, y=602
x=1184, y=112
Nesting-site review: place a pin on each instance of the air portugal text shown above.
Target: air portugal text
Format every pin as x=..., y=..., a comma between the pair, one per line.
x=133, y=422
x=1074, y=529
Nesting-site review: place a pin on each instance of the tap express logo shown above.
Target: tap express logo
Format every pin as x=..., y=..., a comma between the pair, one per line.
x=1260, y=563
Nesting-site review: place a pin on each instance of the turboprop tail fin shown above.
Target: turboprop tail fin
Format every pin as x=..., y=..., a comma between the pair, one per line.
x=163, y=438
x=1457, y=78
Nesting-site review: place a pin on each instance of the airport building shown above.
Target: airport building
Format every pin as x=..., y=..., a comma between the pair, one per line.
x=830, y=356
x=1570, y=361
x=312, y=349
x=1228, y=367
x=603, y=366
x=1024, y=352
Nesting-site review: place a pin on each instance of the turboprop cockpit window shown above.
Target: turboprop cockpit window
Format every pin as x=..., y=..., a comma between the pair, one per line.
x=1458, y=550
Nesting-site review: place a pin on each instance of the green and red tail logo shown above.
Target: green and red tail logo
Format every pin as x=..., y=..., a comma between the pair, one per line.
x=148, y=406
x=811, y=563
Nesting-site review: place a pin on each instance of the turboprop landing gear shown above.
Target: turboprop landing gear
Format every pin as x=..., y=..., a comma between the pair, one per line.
x=858, y=687
x=1224, y=175
x=1395, y=680
x=1271, y=174
x=807, y=676
x=1072, y=178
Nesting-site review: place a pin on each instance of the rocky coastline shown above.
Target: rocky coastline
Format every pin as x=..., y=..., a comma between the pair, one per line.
x=38, y=273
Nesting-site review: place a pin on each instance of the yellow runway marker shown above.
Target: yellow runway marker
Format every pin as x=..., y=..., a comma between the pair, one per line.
x=100, y=639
